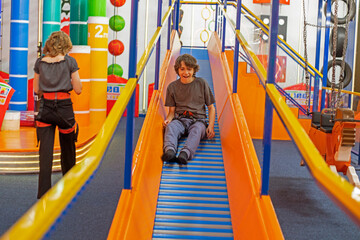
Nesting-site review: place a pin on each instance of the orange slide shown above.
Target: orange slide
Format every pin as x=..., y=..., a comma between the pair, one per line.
x=252, y=215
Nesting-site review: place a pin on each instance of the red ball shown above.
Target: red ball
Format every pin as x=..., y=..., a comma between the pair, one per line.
x=117, y=3
x=116, y=47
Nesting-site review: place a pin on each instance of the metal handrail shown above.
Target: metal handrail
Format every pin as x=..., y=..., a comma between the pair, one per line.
x=292, y=100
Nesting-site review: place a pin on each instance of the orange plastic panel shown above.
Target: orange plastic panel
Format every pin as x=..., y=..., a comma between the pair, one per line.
x=280, y=74
x=252, y=97
x=252, y=216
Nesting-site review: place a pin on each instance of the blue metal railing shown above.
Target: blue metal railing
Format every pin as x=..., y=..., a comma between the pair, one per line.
x=292, y=100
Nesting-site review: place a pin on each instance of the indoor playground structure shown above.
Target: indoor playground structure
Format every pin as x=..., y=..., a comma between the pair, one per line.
x=278, y=74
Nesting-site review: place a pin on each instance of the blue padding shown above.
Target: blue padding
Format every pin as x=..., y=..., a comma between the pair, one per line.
x=192, y=173
x=191, y=221
x=18, y=107
x=205, y=151
x=172, y=236
x=193, y=208
x=212, y=147
x=192, y=214
x=199, y=194
x=198, y=190
x=194, y=184
x=194, y=178
x=199, y=54
x=189, y=167
x=208, y=143
x=20, y=9
x=192, y=165
x=193, y=229
x=207, y=155
x=19, y=35
x=20, y=87
x=201, y=163
x=161, y=200
x=205, y=72
x=18, y=64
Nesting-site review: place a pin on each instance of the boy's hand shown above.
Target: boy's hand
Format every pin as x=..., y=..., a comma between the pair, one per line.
x=210, y=132
x=166, y=122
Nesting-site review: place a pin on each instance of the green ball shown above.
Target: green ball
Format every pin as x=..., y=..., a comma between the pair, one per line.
x=115, y=69
x=116, y=23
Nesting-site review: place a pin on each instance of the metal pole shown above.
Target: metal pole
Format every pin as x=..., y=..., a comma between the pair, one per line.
x=326, y=52
x=216, y=17
x=268, y=105
x=131, y=105
x=79, y=22
x=51, y=18
x=177, y=16
x=40, y=10
x=145, y=44
x=169, y=28
x=236, y=52
x=317, y=59
x=224, y=28
x=18, y=61
x=157, y=61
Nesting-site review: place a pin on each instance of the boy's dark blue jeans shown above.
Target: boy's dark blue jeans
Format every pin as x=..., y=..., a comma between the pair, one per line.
x=195, y=129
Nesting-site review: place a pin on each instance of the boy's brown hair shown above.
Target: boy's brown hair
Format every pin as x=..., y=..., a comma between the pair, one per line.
x=188, y=60
x=58, y=43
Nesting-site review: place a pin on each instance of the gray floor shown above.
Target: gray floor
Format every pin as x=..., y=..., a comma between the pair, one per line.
x=303, y=209
x=91, y=215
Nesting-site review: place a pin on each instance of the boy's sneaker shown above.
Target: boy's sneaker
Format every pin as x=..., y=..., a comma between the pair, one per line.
x=169, y=156
x=183, y=158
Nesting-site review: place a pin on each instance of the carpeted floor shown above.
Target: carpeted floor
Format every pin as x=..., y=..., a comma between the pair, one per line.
x=304, y=211
x=91, y=215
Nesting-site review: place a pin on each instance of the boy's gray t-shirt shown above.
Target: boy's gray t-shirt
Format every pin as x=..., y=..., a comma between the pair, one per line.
x=189, y=97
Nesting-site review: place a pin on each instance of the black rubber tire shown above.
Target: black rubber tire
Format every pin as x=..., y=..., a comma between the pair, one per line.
x=339, y=42
x=347, y=73
x=351, y=5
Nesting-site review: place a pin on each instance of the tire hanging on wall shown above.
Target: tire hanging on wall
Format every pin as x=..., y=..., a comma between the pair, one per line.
x=347, y=73
x=339, y=43
x=350, y=6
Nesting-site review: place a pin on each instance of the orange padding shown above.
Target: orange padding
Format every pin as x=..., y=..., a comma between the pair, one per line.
x=56, y=95
x=67, y=131
x=252, y=215
x=42, y=124
x=135, y=213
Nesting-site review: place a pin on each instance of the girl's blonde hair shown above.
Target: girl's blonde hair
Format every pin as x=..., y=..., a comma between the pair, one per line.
x=58, y=43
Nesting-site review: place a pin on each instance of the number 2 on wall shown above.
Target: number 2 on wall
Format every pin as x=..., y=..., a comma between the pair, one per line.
x=100, y=28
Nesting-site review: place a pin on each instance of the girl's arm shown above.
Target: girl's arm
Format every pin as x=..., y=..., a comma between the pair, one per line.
x=36, y=83
x=76, y=82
